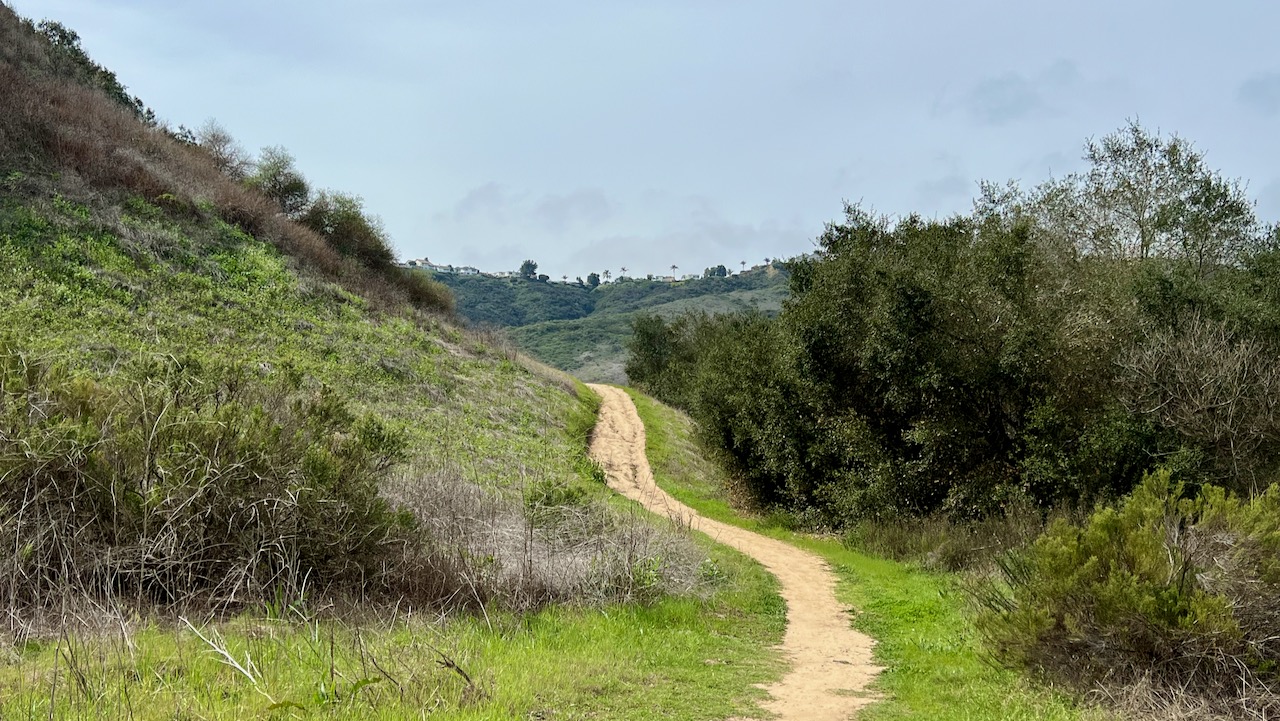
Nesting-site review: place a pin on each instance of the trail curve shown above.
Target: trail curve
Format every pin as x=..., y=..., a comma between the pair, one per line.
x=831, y=663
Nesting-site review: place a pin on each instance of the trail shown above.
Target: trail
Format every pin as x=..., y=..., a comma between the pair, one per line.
x=831, y=663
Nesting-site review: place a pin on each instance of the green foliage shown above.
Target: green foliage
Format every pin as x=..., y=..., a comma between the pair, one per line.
x=275, y=175
x=95, y=288
x=424, y=292
x=528, y=269
x=1147, y=196
x=934, y=664
x=506, y=302
x=340, y=219
x=1187, y=584
x=584, y=330
x=968, y=365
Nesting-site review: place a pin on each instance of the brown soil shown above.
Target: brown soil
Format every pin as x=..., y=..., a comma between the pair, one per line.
x=831, y=663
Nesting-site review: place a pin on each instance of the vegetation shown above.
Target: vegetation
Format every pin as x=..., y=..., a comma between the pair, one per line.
x=934, y=661
x=676, y=658
x=67, y=119
x=1038, y=356
x=249, y=469
x=1186, y=585
x=584, y=328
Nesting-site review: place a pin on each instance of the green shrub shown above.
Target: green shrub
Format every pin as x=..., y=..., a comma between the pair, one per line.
x=1181, y=588
x=276, y=176
x=341, y=220
x=424, y=292
x=176, y=484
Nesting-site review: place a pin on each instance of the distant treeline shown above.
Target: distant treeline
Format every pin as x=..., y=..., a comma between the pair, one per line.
x=519, y=301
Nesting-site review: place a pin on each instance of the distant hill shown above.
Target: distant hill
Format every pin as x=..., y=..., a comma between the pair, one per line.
x=584, y=330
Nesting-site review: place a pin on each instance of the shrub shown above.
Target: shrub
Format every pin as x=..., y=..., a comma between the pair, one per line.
x=185, y=486
x=276, y=176
x=1177, y=588
x=424, y=292
x=340, y=219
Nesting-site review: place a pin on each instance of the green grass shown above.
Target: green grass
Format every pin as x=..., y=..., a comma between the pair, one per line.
x=88, y=289
x=933, y=659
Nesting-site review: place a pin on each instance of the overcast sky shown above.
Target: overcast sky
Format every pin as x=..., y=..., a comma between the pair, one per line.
x=598, y=134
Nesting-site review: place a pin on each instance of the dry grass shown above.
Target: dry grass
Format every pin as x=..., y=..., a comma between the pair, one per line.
x=485, y=547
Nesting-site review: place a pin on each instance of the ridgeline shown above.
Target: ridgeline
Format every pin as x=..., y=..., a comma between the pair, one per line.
x=584, y=330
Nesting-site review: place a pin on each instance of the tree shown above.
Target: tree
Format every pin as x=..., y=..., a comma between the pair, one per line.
x=743, y=263
x=606, y=275
x=1147, y=196
x=593, y=279
x=528, y=269
x=543, y=278
x=228, y=156
x=565, y=279
x=674, y=268
x=276, y=176
x=622, y=272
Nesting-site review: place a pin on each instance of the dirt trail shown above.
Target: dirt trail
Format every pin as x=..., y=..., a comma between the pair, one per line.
x=830, y=662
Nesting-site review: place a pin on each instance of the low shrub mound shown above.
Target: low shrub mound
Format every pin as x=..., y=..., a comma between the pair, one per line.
x=186, y=485
x=1171, y=590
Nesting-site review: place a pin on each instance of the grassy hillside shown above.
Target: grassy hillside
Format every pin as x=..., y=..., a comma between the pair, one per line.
x=584, y=331
x=250, y=470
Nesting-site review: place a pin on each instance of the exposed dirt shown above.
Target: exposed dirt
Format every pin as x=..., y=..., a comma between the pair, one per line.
x=831, y=663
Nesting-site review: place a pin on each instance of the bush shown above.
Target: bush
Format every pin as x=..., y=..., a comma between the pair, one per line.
x=1177, y=588
x=340, y=219
x=186, y=486
x=424, y=292
x=276, y=176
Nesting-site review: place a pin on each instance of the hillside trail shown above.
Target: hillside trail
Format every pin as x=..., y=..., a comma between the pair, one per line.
x=831, y=664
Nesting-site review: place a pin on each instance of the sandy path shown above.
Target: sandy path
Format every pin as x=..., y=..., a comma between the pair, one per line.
x=830, y=662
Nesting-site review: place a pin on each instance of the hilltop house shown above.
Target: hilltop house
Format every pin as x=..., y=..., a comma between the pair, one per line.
x=426, y=264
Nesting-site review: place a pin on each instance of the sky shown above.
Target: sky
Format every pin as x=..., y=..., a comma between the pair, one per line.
x=600, y=134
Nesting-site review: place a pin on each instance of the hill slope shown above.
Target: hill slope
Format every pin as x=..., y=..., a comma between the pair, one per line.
x=212, y=402
x=584, y=330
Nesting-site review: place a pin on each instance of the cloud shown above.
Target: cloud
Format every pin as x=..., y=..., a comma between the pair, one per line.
x=936, y=193
x=698, y=238
x=557, y=213
x=1050, y=165
x=1261, y=93
x=494, y=204
x=1004, y=99
x=1014, y=96
x=490, y=202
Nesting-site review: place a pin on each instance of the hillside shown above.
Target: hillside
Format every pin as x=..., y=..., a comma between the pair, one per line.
x=215, y=387
x=584, y=330
x=230, y=427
